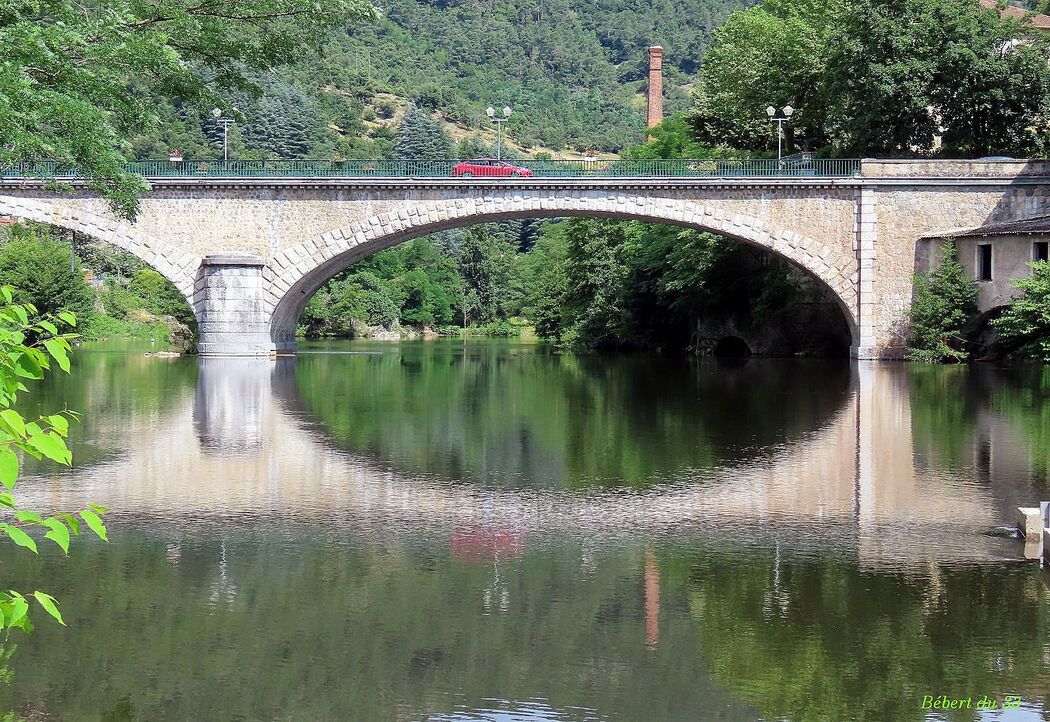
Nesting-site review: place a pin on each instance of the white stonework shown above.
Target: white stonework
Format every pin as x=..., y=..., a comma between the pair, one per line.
x=248, y=253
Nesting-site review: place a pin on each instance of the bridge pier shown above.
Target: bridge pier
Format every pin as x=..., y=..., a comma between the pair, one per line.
x=228, y=298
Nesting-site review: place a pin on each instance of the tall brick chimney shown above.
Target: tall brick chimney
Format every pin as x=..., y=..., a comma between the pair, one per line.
x=656, y=86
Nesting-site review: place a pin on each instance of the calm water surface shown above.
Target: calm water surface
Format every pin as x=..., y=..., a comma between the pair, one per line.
x=489, y=531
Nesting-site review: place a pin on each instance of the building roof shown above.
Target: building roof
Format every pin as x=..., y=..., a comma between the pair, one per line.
x=1030, y=226
x=1039, y=22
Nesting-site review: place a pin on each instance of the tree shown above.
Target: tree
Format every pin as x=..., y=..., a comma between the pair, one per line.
x=485, y=265
x=421, y=138
x=1024, y=326
x=961, y=77
x=598, y=273
x=877, y=77
x=76, y=80
x=945, y=301
x=38, y=267
x=773, y=54
x=21, y=362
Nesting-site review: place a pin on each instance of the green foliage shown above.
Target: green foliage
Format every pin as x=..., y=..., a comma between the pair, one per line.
x=38, y=267
x=160, y=297
x=1024, y=326
x=414, y=283
x=840, y=64
x=77, y=80
x=485, y=265
x=945, y=301
x=29, y=346
x=597, y=273
x=673, y=138
x=775, y=53
x=421, y=138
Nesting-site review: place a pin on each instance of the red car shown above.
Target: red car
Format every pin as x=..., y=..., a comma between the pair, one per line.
x=489, y=167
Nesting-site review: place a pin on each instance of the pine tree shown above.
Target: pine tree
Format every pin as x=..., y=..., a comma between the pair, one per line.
x=945, y=301
x=421, y=138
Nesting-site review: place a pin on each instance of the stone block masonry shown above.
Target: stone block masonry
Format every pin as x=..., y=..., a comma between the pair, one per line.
x=248, y=253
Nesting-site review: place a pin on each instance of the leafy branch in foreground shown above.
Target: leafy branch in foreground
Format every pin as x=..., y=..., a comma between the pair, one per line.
x=28, y=349
x=78, y=79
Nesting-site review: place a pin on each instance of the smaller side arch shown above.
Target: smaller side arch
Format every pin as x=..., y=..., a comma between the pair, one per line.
x=295, y=274
x=177, y=266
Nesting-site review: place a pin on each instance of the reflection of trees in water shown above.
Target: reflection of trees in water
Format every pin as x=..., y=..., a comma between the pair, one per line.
x=513, y=414
x=313, y=626
x=849, y=645
x=112, y=392
x=969, y=416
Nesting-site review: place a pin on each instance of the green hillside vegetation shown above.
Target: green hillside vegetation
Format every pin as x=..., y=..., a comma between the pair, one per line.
x=573, y=71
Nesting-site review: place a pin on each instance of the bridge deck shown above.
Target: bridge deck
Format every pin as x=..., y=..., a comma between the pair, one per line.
x=793, y=166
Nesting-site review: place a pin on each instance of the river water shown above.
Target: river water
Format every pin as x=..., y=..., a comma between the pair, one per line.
x=492, y=531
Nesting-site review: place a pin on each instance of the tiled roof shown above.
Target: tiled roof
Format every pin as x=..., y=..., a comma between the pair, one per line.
x=1030, y=226
x=1039, y=22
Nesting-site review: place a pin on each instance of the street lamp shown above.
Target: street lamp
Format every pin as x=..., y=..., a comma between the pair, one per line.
x=225, y=123
x=787, y=111
x=491, y=113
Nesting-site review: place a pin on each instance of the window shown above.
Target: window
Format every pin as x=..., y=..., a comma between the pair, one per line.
x=1041, y=251
x=984, y=262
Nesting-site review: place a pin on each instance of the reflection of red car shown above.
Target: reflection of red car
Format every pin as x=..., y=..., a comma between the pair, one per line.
x=489, y=167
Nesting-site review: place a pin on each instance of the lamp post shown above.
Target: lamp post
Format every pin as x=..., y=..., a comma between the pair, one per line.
x=225, y=123
x=787, y=111
x=491, y=113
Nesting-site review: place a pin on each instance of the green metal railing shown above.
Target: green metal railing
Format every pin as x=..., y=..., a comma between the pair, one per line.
x=745, y=168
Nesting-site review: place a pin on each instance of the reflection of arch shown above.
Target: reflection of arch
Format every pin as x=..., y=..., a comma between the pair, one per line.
x=299, y=271
x=173, y=264
x=731, y=347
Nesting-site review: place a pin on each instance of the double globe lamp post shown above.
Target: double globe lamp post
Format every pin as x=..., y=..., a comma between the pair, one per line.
x=491, y=113
x=787, y=111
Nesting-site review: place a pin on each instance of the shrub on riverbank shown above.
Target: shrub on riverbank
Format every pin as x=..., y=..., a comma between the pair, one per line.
x=1024, y=326
x=945, y=301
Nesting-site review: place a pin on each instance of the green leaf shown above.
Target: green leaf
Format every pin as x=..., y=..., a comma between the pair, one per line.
x=94, y=523
x=7, y=500
x=21, y=313
x=69, y=318
x=58, y=533
x=74, y=523
x=57, y=349
x=49, y=605
x=28, y=367
x=49, y=327
x=60, y=423
x=7, y=292
x=19, y=608
x=19, y=537
x=13, y=421
x=26, y=516
x=52, y=446
x=8, y=467
x=99, y=509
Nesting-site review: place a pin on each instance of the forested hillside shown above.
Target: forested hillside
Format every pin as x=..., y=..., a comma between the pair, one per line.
x=573, y=70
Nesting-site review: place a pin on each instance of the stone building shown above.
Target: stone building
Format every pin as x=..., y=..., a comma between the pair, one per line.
x=996, y=255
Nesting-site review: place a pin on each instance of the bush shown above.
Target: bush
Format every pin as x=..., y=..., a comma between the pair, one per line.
x=160, y=297
x=38, y=267
x=1024, y=326
x=945, y=301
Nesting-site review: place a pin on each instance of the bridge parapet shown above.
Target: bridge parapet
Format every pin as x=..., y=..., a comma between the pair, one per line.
x=954, y=169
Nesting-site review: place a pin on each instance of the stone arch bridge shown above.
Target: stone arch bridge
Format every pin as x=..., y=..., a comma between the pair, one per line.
x=248, y=252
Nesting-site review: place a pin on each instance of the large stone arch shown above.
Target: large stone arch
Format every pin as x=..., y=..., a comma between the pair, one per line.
x=293, y=275
x=178, y=267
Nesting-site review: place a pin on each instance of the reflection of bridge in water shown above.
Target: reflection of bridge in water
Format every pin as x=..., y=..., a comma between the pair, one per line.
x=241, y=446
